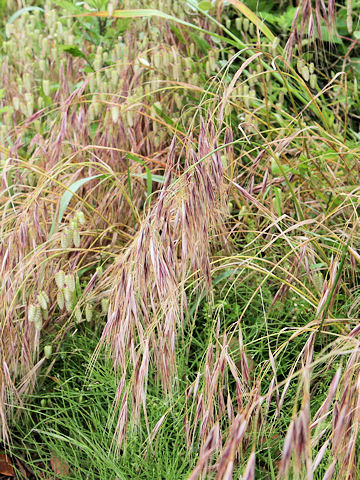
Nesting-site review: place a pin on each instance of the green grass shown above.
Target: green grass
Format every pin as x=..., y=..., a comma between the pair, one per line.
x=71, y=418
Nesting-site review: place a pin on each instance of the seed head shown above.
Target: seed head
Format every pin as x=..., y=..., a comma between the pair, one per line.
x=31, y=312
x=70, y=282
x=60, y=279
x=47, y=351
x=88, y=312
x=60, y=299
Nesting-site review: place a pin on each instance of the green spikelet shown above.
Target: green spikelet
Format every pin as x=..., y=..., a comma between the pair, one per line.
x=70, y=282
x=81, y=217
x=129, y=118
x=68, y=295
x=47, y=351
x=88, y=312
x=46, y=87
x=16, y=103
x=78, y=314
x=31, y=312
x=115, y=111
x=69, y=305
x=38, y=318
x=305, y=73
x=42, y=301
x=313, y=80
x=60, y=299
x=60, y=279
x=76, y=238
x=105, y=305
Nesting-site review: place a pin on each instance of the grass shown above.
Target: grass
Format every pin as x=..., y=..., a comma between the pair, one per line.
x=179, y=240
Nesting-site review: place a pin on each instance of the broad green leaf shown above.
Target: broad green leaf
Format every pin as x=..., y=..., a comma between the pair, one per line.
x=67, y=196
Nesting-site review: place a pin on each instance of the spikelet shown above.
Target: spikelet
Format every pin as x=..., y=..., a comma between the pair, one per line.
x=47, y=351
x=105, y=305
x=69, y=305
x=129, y=118
x=115, y=111
x=97, y=64
x=66, y=238
x=31, y=312
x=16, y=103
x=305, y=73
x=38, y=318
x=70, y=282
x=88, y=312
x=78, y=314
x=9, y=29
x=313, y=80
x=76, y=238
x=46, y=87
x=42, y=65
x=60, y=299
x=68, y=295
x=42, y=301
x=27, y=82
x=29, y=103
x=38, y=325
x=60, y=279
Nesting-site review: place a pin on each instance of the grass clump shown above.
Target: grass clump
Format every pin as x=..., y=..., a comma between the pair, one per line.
x=179, y=240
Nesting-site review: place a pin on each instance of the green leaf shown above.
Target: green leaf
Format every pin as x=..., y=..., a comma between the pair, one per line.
x=149, y=179
x=23, y=10
x=277, y=200
x=148, y=13
x=7, y=108
x=205, y=5
x=276, y=170
x=67, y=196
x=72, y=50
x=253, y=18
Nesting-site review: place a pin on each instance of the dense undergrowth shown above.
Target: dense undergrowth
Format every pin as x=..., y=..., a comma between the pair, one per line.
x=179, y=228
